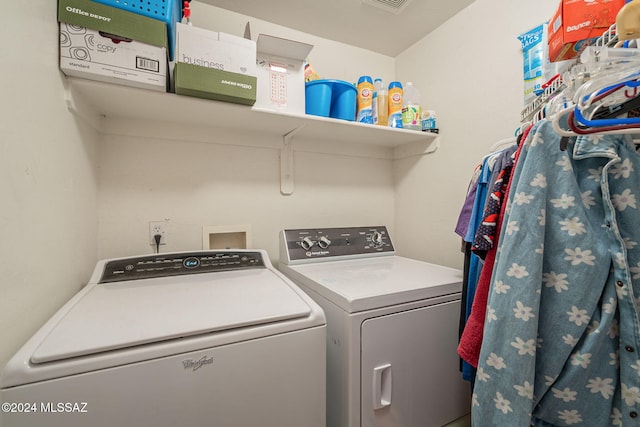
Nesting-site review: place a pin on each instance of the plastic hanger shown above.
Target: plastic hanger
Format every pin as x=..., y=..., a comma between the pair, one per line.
x=563, y=107
x=559, y=117
x=601, y=69
x=571, y=80
x=591, y=91
x=520, y=130
x=569, y=115
x=606, y=99
x=609, y=111
x=503, y=142
x=623, y=95
x=603, y=122
x=602, y=130
x=600, y=89
x=575, y=129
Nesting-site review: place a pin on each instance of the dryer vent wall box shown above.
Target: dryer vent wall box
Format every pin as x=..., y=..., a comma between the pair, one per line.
x=369, y=294
x=179, y=339
x=227, y=237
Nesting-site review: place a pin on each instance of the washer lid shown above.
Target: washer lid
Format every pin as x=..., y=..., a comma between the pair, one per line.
x=123, y=314
x=369, y=283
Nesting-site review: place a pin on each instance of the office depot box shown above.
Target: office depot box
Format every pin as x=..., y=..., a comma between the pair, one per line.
x=168, y=11
x=91, y=54
x=281, y=74
x=102, y=43
x=577, y=24
x=96, y=16
x=214, y=65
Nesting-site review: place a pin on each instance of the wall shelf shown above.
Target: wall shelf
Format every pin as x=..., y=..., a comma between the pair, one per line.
x=98, y=102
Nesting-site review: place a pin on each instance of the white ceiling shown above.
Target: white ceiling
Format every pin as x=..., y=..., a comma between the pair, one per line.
x=352, y=21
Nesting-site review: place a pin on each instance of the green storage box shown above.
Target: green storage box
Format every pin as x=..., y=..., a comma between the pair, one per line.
x=209, y=83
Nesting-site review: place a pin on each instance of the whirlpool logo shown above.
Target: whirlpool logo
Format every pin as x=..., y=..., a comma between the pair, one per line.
x=194, y=365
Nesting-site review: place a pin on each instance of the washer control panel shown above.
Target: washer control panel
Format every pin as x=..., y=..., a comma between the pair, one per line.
x=177, y=264
x=320, y=243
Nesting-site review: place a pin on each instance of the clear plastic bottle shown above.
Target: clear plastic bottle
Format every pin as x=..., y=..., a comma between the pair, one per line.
x=411, y=108
x=377, y=84
x=381, y=104
x=395, y=104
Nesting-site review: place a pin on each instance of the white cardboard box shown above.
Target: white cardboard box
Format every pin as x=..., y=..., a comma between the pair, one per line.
x=213, y=65
x=88, y=53
x=281, y=74
x=212, y=49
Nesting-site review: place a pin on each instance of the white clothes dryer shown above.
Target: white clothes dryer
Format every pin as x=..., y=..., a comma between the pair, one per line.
x=392, y=327
x=217, y=338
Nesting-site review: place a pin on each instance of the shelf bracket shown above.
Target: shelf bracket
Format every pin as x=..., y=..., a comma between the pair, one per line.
x=79, y=108
x=286, y=162
x=419, y=148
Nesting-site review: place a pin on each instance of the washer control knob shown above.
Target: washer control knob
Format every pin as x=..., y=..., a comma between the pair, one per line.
x=324, y=242
x=307, y=243
x=376, y=239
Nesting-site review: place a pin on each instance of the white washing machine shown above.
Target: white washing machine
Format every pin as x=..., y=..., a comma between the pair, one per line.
x=392, y=327
x=217, y=338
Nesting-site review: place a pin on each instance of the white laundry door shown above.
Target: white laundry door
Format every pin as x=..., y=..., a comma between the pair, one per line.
x=410, y=373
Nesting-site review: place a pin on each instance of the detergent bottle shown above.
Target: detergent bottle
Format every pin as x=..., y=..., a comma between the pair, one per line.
x=364, y=107
x=381, y=104
x=395, y=104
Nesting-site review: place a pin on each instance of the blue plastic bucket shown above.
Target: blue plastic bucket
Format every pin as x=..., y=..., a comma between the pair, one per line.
x=317, y=98
x=331, y=98
x=343, y=101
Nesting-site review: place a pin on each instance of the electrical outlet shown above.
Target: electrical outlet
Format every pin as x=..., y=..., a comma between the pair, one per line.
x=157, y=227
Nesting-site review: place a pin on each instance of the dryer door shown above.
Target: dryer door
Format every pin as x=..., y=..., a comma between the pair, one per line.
x=410, y=368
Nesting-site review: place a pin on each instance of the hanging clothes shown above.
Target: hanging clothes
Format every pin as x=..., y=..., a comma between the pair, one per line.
x=472, y=223
x=486, y=232
x=471, y=337
x=562, y=332
x=466, y=222
x=474, y=263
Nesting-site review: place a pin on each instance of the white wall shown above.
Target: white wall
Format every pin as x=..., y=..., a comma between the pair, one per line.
x=470, y=71
x=48, y=214
x=195, y=184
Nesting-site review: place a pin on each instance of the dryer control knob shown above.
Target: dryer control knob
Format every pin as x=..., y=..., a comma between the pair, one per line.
x=324, y=242
x=376, y=239
x=307, y=243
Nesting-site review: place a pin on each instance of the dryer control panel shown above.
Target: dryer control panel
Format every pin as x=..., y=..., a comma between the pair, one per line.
x=176, y=264
x=320, y=243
